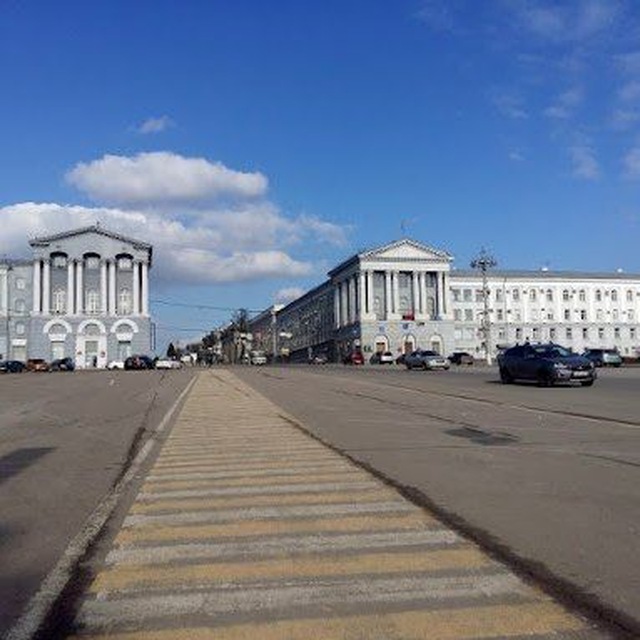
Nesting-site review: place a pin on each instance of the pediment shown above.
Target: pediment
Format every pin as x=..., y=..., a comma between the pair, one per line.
x=407, y=250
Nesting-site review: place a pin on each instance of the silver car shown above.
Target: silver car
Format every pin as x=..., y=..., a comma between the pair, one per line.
x=427, y=360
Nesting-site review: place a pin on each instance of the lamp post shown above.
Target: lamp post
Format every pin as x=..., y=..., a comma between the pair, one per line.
x=483, y=262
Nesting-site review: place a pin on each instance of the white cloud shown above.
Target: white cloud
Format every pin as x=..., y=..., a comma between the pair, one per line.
x=155, y=125
x=162, y=178
x=631, y=164
x=225, y=241
x=565, y=104
x=585, y=163
x=289, y=293
x=510, y=105
x=516, y=156
x=623, y=119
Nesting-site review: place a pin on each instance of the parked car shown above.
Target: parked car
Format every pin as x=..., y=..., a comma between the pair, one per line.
x=382, y=357
x=319, y=358
x=604, y=357
x=547, y=364
x=63, y=364
x=401, y=358
x=168, y=363
x=461, y=357
x=37, y=364
x=138, y=362
x=427, y=360
x=354, y=357
x=115, y=364
x=12, y=366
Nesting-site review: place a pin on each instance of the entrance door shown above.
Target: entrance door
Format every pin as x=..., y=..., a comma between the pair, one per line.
x=57, y=350
x=90, y=353
x=124, y=350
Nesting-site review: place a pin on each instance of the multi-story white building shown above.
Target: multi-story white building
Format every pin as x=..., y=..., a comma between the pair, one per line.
x=84, y=295
x=405, y=295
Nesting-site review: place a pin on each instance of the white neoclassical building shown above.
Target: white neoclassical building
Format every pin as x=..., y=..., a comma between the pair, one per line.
x=406, y=295
x=85, y=295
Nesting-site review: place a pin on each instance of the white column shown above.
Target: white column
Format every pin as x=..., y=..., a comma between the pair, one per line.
x=79, y=288
x=416, y=293
x=70, y=292
x=438, y=295
x=111, y=271
x=145, y=289
x=362, y=297
x=136, y=288
x=352, y=299
x=370, y=308
x=103, y=288
x=46, y=287
x=336, y=304
x=396, y=293
x=423, y=289
x=387, y=294
x=5, y=293
x=446, y=295
x=36, y=287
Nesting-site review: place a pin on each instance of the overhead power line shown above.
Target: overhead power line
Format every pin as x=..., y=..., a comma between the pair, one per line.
x=171, y=303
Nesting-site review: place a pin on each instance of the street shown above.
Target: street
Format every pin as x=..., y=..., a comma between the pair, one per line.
x=543, y=479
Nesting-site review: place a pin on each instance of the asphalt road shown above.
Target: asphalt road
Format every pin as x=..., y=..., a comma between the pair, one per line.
x=65, y=439
x=547, y=478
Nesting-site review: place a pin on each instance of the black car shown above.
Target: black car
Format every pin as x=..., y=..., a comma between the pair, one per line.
x=134, y=363
x=460, y=357
x=547, y=364
x=63, y=364
x=12, y=366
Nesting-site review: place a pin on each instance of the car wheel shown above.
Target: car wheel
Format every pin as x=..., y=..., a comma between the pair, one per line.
x=408, y=367
x=586, y=383
x=505, y=376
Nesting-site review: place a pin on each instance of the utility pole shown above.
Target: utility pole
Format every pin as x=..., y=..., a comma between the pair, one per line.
x=274, y=333
x=483, y=262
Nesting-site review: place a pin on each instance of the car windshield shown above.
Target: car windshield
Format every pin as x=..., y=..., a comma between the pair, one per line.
x=552, y=351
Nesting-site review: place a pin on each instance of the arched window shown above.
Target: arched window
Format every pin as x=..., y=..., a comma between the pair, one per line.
x=124, y=302
x=565, y=295
x=598, y=295
x=614, y=295
x=549, y=295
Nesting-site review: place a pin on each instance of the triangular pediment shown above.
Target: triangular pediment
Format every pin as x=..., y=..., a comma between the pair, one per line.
x=94, y=230
x=406, y=249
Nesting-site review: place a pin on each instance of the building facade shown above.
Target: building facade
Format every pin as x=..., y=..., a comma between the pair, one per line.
x=84, y=295
x=405, y=295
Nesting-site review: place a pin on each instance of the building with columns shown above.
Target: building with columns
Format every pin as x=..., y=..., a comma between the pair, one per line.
x=405, y=295
x=84, y=295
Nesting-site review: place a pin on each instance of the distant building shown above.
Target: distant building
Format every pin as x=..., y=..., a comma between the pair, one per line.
x=405, y=295
x=84, y=295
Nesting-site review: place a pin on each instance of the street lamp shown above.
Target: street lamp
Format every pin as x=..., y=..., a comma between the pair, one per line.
x=483, y=262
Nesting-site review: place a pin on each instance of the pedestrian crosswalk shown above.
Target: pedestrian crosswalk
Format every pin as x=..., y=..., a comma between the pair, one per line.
x=247, y=528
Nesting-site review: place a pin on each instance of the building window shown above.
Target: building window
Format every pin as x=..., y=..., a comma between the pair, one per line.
x=479, y=296
x=569, y=333
x=502, y=334
x=600, y=333
x=467, y=295
x=565, y=295
x=582, y=295
x=92, y=262
x=536, y=333
x=125, y=264
x=457, y=314
x=93, y=302
x=616, y=333
x=614, y=295
x=630, y=315
x=533, y=295
x=567, y=314
x=632, y=333
x=598, y=295
x=499, y=315
x=59, y=301
x=515, y=294
x=599, y=315
x=498, y=295
x=21, y=307
x=585, y=333
x=59, y=262
x=614, y=314
x=550, y=315
x=20, y=283
x=552, y=333
x=19, y=328
x=534, y=315
x=629, y=295
x=455, y=293
x=517, y=315
x=518, y=334
x=583, y=314
x=549, y=295
x=124, y=302
x=468, y=315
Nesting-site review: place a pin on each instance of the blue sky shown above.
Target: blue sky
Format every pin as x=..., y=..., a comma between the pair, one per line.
x=255, y=144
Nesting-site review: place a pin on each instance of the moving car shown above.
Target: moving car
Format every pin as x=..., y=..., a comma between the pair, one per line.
x=603, y=357
x=37, y=364
x=382, y=357
x=63, y=364
x=168, y=363
x=133, y=363
x=11, y=366
x=427, y=360
x=461, y=357
x=354, y=357
x=547, y=364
